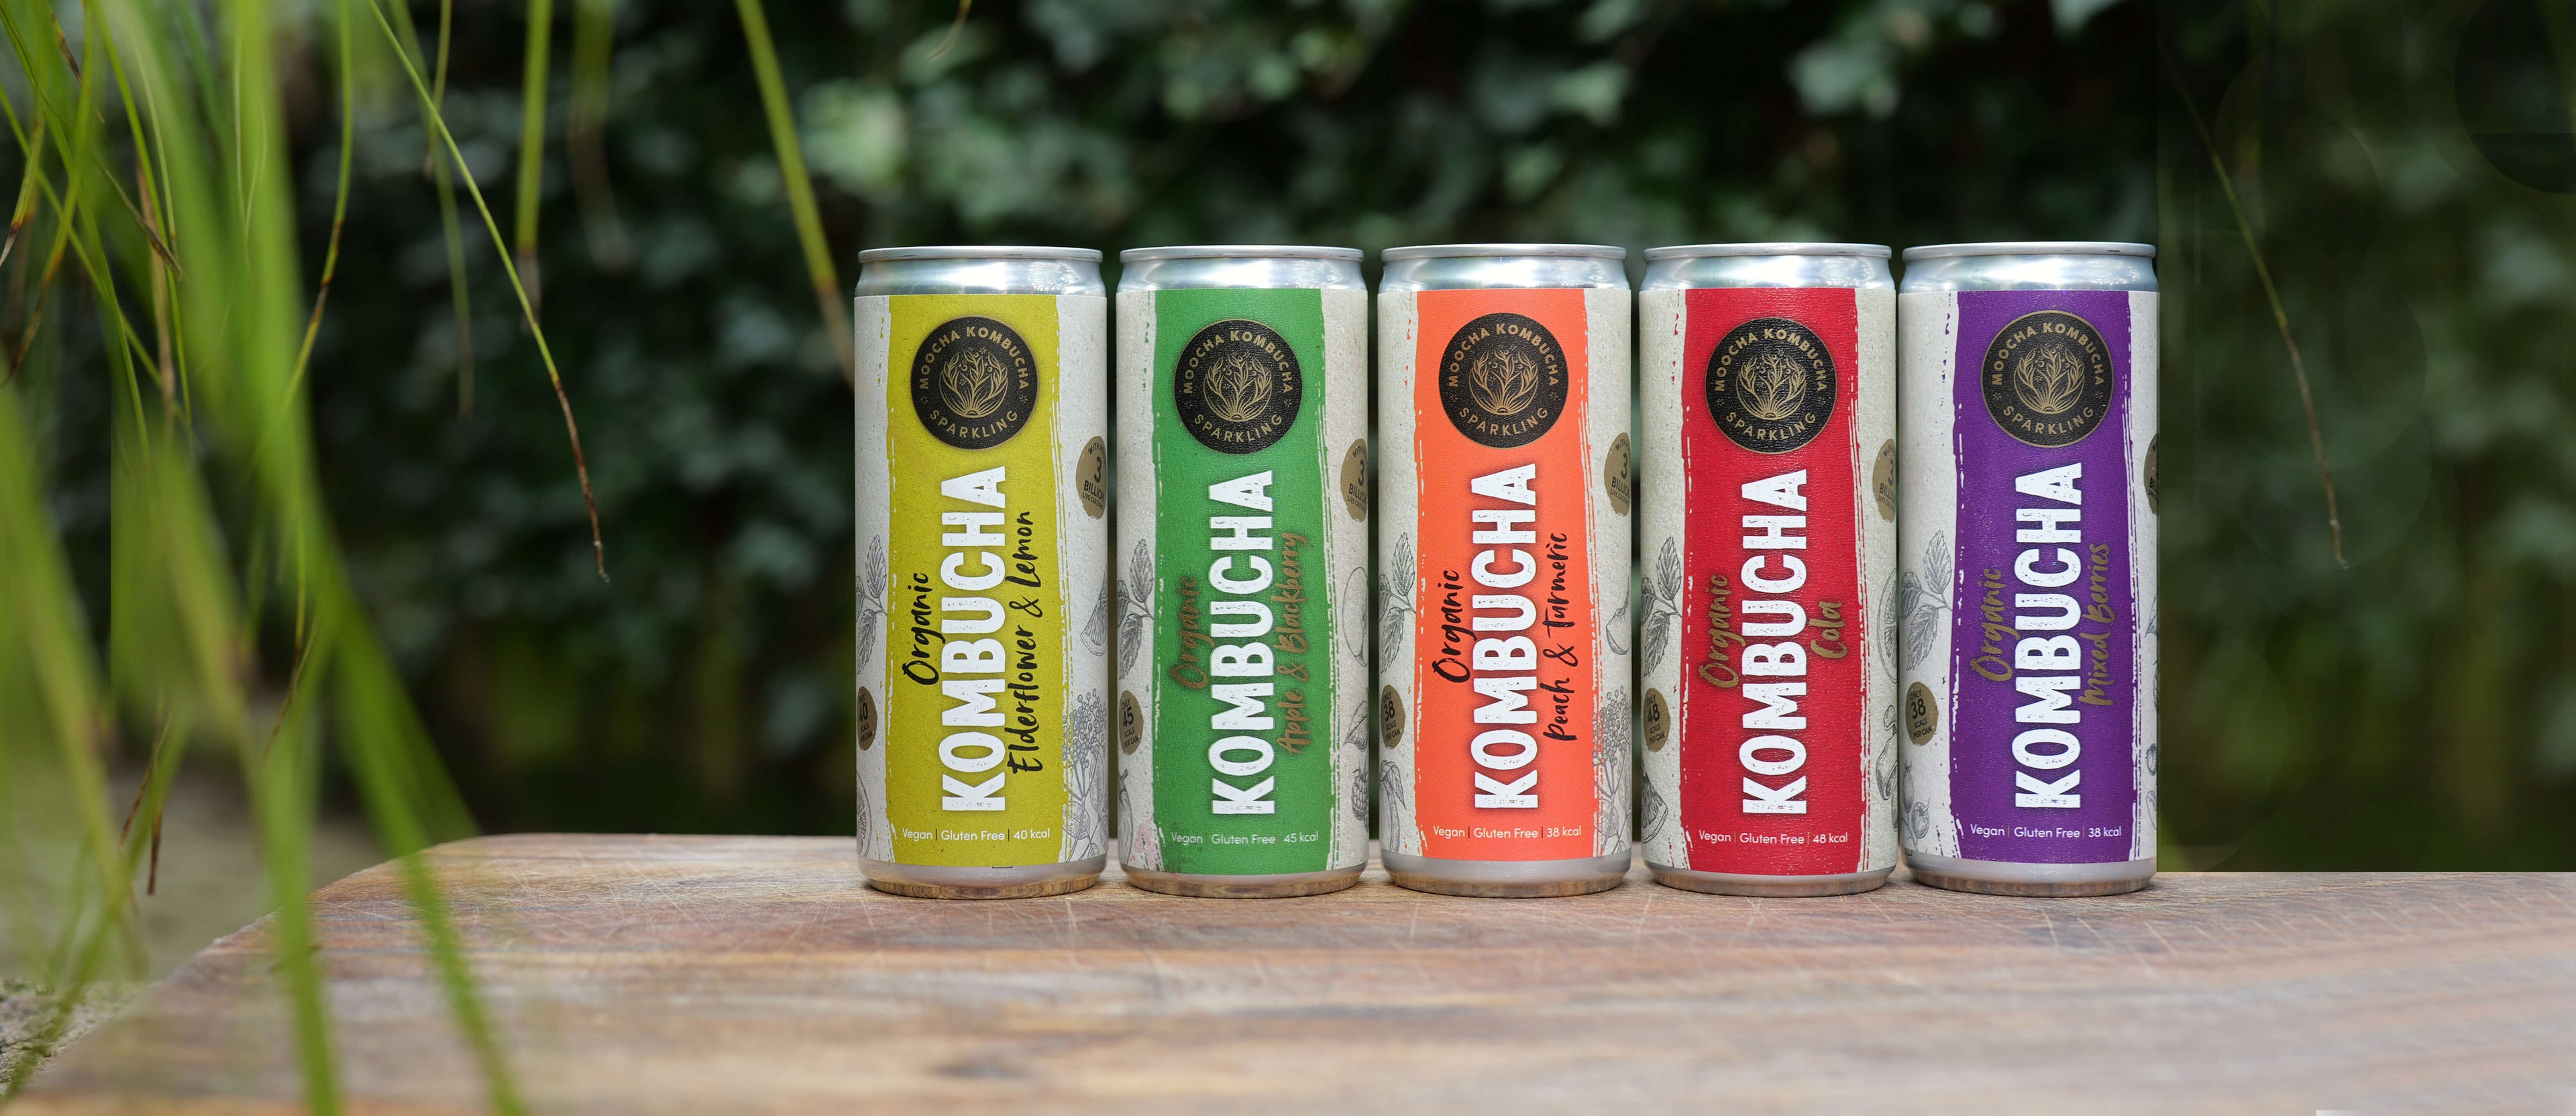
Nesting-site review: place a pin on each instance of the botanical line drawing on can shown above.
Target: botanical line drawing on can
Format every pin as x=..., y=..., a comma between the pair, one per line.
x=2028, y=559
x=1768, y=413
x=983, y=626
x=1244, y=633
x=1503, y=406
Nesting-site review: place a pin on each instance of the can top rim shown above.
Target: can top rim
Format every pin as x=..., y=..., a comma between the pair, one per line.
x=1239, y=251
x=2034, y=248
x=1768, y=248
x=1434, y=251
x=978, y=252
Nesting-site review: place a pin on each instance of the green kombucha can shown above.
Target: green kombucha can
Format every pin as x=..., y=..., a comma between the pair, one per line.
x=1242, y=709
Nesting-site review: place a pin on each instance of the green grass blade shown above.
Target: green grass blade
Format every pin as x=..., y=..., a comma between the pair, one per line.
x=82, y=149
x=368, y=690
x=207, y=128
x=459, y=292
x=339, y=218
x=828, y=295
x=50, y=723
x=532, y=143
x=53, y=688
x=446, y=39
x=282, y=806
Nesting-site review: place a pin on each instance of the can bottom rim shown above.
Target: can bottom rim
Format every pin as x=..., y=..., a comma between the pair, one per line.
x=945, y=881
x=2003, y=877
x=1771, y=887
x=1283, y=885
x=1508, y=878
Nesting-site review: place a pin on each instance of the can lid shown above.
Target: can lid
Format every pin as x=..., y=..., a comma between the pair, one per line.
x=1768, y=248
x=979, y=252
x=2034, y=248
x=1430, y=251
x=1239, y=252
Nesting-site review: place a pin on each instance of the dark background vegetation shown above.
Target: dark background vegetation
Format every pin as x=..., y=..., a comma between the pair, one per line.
x=2415, y=710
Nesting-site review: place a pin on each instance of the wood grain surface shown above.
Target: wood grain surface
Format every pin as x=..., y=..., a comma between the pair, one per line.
x=715, y=974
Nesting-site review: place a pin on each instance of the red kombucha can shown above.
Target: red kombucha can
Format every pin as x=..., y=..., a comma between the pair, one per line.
x=1767, y=535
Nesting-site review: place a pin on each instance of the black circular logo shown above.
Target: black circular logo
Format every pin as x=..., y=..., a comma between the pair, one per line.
x=1503, y=380
x=1771, y=385
x=2047, y=378
x=1237, y=386
x=974, y=383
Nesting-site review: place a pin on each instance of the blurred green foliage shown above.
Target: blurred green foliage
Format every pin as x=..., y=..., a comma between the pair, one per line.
x=2415, y=710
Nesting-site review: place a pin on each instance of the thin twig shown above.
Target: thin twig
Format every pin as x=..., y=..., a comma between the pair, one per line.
x=955, y=28
x=125, y=828
x=25, y=210
x=166, y=362
x=2272, y=294
x=151, y=765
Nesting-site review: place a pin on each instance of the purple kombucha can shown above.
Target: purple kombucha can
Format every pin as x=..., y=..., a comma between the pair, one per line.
x=2026, y=552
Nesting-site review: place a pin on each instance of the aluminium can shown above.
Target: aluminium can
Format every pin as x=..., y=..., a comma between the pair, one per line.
x=2027, y=554
x=1243, y=600
x=1504, y=714
x=983, y=590
x=1767, y=500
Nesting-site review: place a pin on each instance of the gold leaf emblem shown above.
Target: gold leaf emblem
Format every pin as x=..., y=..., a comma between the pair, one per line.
x=1238, y=388
x=974, y=383
x=2049, y=379
x=1504, y=382
x=1771, y=387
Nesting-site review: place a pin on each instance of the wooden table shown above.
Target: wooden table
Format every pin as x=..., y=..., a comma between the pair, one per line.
x=740, y=974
